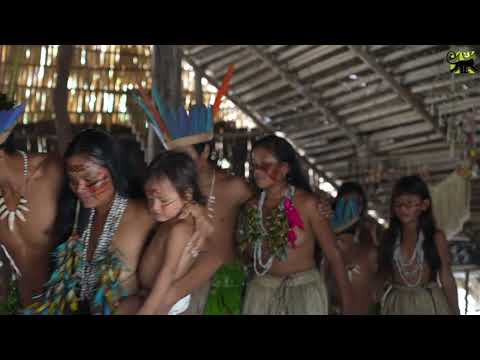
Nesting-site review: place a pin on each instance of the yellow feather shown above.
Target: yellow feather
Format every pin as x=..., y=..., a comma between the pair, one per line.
x=42, y=307
x=74, y=306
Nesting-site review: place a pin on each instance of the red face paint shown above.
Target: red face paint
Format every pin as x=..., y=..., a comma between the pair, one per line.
x=100, y=187
x=89, y=180
x=272, y=170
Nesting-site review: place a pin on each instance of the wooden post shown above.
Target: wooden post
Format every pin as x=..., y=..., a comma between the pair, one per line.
x=63, y=127
x=167, y=77
x=467, y=288
x=198, y=88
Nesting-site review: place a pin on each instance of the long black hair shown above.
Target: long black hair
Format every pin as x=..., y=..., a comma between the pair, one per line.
x=180, y=170
x=411, y=185
x=284, y=152
x=100, y=146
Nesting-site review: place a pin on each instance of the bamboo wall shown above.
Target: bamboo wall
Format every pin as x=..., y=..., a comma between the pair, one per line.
x=99, y=79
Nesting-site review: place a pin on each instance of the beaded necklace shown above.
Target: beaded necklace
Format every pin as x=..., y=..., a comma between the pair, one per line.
x=279, y=235
x=413, y=267
x=88, y=272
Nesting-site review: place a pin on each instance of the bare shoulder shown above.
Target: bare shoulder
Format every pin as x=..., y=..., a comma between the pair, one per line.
x=138, y=207
x=233, y=181
x=236, y=186
x=305, y=199
x=182, y=229
x=45, y=165
x=137, y=211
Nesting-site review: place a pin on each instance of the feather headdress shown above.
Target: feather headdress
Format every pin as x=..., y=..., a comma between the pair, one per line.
x=179, y=128
x=9, y=115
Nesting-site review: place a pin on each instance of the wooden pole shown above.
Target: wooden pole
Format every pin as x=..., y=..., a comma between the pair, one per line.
x=60, y=97
x=467, y=283
x=198, y=88
x=167, y=77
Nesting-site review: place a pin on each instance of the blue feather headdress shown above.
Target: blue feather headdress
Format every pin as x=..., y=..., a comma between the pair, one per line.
x=8, y=119
x=178, y=128
x=347, y=214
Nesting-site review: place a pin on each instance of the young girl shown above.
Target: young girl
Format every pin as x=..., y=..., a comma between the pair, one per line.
x=415, y=256
x=359, y=251
x=171, y=185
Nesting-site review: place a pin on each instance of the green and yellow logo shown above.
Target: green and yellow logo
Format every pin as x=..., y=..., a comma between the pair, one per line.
x=462, y=62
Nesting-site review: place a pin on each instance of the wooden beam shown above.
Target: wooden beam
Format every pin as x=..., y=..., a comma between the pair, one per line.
x=196, y=49
x=404, y=93
x=402, y=131
x=410, y=142
x=235, y=58
x=217, y=55
x=315, y=150
x=295, y=83
x=298, y=135
x=294, y=51
x=257, y=118
x=312, y=55
x=411, y=76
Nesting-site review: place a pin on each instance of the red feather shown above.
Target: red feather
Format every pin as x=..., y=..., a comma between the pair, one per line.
x=223, y=90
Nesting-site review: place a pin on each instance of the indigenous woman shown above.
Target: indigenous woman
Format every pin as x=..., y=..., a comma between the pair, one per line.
x=415, y=256
x=106, y=229
x=279, y=232
x=96, y=266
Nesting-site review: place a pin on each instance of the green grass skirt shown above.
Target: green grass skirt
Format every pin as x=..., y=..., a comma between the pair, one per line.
x=227, y=291
x=12, y=305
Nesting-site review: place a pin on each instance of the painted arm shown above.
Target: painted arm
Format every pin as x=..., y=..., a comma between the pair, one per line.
x=324, y=235
x=446, y=275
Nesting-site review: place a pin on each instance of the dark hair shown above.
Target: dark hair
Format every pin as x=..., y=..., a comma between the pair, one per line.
x=102, y=147
x=9, y=144
x=284, y=152
x=411, y=185
x=180, y=169
x=6, y=104
x=199, y=148
x=134, y=165
x=218, y=128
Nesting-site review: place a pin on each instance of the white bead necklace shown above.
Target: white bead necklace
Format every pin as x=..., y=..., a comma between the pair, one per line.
x=211, y=198
x=88, y=272
x=415, y=262
x=22, y=205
